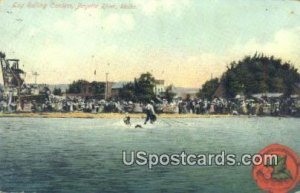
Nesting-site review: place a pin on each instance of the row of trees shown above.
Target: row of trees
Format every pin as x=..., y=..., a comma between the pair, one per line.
x=140, y=90
x=254, y=74
x=84, y=87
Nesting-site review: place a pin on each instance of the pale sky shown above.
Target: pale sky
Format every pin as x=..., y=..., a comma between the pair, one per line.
x=181, y=41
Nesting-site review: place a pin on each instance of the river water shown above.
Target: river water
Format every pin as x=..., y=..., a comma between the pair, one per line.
x=85, y=155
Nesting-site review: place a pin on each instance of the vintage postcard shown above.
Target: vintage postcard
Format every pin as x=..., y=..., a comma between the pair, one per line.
x=149, y=96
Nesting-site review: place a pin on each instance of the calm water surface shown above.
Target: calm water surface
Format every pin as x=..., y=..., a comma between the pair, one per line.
x=85, y=155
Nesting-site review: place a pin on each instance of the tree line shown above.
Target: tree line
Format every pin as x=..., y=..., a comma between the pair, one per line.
x=251, y=75
x=141, y=89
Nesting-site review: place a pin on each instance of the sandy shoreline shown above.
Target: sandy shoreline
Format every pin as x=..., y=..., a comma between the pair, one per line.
x=102, y=115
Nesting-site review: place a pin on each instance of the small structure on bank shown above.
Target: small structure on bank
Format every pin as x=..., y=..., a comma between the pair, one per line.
x=15, y=92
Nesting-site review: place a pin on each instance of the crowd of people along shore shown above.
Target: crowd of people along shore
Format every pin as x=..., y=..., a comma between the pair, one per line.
x=263, y=106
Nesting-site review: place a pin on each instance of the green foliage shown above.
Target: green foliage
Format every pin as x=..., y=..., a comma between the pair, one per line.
x=128, y=92
x=169, y=95
x=79, y=86
x=209, y=88
x=97, y=88
x=259, y=74
x=144, y=86
x=140, y=90
x=57, y=91
x=83, y=86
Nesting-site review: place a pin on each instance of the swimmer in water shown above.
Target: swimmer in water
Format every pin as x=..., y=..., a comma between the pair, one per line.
x=127, y=119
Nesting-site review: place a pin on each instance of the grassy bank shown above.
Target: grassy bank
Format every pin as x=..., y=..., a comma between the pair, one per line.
x=101, y=115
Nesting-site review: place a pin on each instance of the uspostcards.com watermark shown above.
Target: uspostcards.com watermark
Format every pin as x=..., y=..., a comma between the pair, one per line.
x=142, y=158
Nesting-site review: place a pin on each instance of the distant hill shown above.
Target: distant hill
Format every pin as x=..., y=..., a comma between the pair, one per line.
x=185, y=90
x=63, y=87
